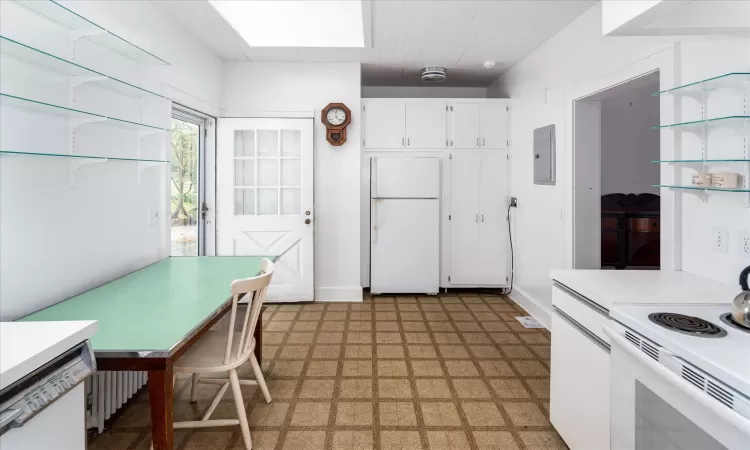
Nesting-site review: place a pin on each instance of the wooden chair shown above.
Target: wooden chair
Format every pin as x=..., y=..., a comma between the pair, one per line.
x=220, y=351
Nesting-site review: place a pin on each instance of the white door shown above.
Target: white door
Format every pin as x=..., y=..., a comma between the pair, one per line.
x=425, y=124
x=465, y=118
x=385, y=123
x=492, y=264
x=587, y=182
x=405, y=246
x=265, y=199
x=493, y=125
x=464, y=223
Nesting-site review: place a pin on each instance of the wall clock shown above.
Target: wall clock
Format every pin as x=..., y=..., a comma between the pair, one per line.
x=336, y=117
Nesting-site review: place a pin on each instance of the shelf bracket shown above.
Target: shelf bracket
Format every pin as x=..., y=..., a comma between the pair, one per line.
x=149, y=132
x=146, y=164
x=77, y=80
x=76, y=164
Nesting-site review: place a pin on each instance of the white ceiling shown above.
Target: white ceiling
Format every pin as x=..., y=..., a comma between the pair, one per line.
x=407, y=35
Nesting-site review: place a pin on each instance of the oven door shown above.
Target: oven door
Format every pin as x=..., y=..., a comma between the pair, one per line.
x=654, y=408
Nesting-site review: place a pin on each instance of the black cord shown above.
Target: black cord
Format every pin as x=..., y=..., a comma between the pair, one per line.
x=512, y=262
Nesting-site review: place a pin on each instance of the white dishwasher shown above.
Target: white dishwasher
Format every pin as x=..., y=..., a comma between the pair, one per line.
x=45, y=407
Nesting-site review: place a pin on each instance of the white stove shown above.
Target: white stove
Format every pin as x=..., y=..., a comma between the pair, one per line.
x=680, y=378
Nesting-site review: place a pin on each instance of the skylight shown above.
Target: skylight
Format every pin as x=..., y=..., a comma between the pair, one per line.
x=310, y=23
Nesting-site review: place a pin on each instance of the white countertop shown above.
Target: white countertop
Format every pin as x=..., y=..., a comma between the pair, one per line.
x=608, y=287
x=26, y=346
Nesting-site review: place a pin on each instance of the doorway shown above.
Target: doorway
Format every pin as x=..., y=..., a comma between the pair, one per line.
x=265, y=199
x=617, y=212
x=188, y=189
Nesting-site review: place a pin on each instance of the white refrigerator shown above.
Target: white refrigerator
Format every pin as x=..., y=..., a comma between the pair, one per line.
x=404, y=225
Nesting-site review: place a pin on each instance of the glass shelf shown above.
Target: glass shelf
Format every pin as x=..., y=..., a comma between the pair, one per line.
x=698, y=188
x=728, y=80
x=718, y=121
x=60, y=155
x=44, y=59
x=48, y=108
x=688, y=161
x=66, y=18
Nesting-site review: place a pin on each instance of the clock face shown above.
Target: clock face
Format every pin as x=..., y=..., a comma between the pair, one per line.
x=336, y=116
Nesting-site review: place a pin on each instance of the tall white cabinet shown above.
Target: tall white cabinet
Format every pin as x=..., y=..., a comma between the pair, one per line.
x=471, y=138
x=478, y=230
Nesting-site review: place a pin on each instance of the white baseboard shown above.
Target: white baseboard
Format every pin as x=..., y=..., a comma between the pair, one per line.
x=533, y=307
x=338, y=294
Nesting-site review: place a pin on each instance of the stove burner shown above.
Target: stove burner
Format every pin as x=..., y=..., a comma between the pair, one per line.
x=692, y=326
x=729, y=320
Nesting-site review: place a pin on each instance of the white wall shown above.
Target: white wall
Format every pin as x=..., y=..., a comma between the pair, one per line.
x=423, y=92
x=575, y=57
x=64, y=231
x=628, y=143
x=263, y=89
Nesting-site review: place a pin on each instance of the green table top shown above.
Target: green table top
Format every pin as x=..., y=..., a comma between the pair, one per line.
x=154, y=308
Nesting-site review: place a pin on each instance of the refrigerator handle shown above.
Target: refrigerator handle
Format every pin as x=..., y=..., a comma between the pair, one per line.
x=374, y=177
x=374, y=222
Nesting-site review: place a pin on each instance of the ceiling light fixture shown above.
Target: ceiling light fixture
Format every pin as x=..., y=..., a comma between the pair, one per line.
x=295, y=23
x=434, y=75
x=489, y=64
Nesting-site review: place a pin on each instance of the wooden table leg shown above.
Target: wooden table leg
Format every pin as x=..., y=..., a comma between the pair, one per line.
x=258, y=335
x=160, y=395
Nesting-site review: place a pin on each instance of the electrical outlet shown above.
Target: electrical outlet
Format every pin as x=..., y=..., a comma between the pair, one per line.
x=720, y=239
x=743, y=243
x=514, y=202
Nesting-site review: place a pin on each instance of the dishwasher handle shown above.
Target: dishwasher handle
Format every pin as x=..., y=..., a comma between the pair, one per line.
x=8, y=419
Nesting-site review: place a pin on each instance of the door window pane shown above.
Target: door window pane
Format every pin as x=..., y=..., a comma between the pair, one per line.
x=244, y=143
x=291, y=143
x=268, y=143
x=268, y=172
x=244, y=202
x=268, y=201
x=244, y=172
x=184, y=188
x=290, y=201
x=290, y=172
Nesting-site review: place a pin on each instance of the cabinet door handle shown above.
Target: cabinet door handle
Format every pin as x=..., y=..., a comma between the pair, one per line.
x=476, y=218
x=402, y=142
x=484, y=142
x=482, y=217
x=477, y=142
x=408, y=141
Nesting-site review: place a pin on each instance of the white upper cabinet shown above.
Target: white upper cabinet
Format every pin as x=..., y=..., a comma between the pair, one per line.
x=385, y=122
x=425, y=124
x=465, y=125
x=493, y=125
x=435, y=124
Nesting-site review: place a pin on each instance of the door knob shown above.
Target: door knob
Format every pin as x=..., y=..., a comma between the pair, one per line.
x=307, y=221
x=307, y=213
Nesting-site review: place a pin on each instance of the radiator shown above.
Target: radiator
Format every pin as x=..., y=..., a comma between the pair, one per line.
x=109, y=391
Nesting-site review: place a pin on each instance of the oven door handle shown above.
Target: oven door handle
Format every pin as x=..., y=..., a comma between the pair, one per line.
x=723, y=412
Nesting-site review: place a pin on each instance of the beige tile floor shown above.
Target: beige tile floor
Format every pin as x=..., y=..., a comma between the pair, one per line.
x=450, y=372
